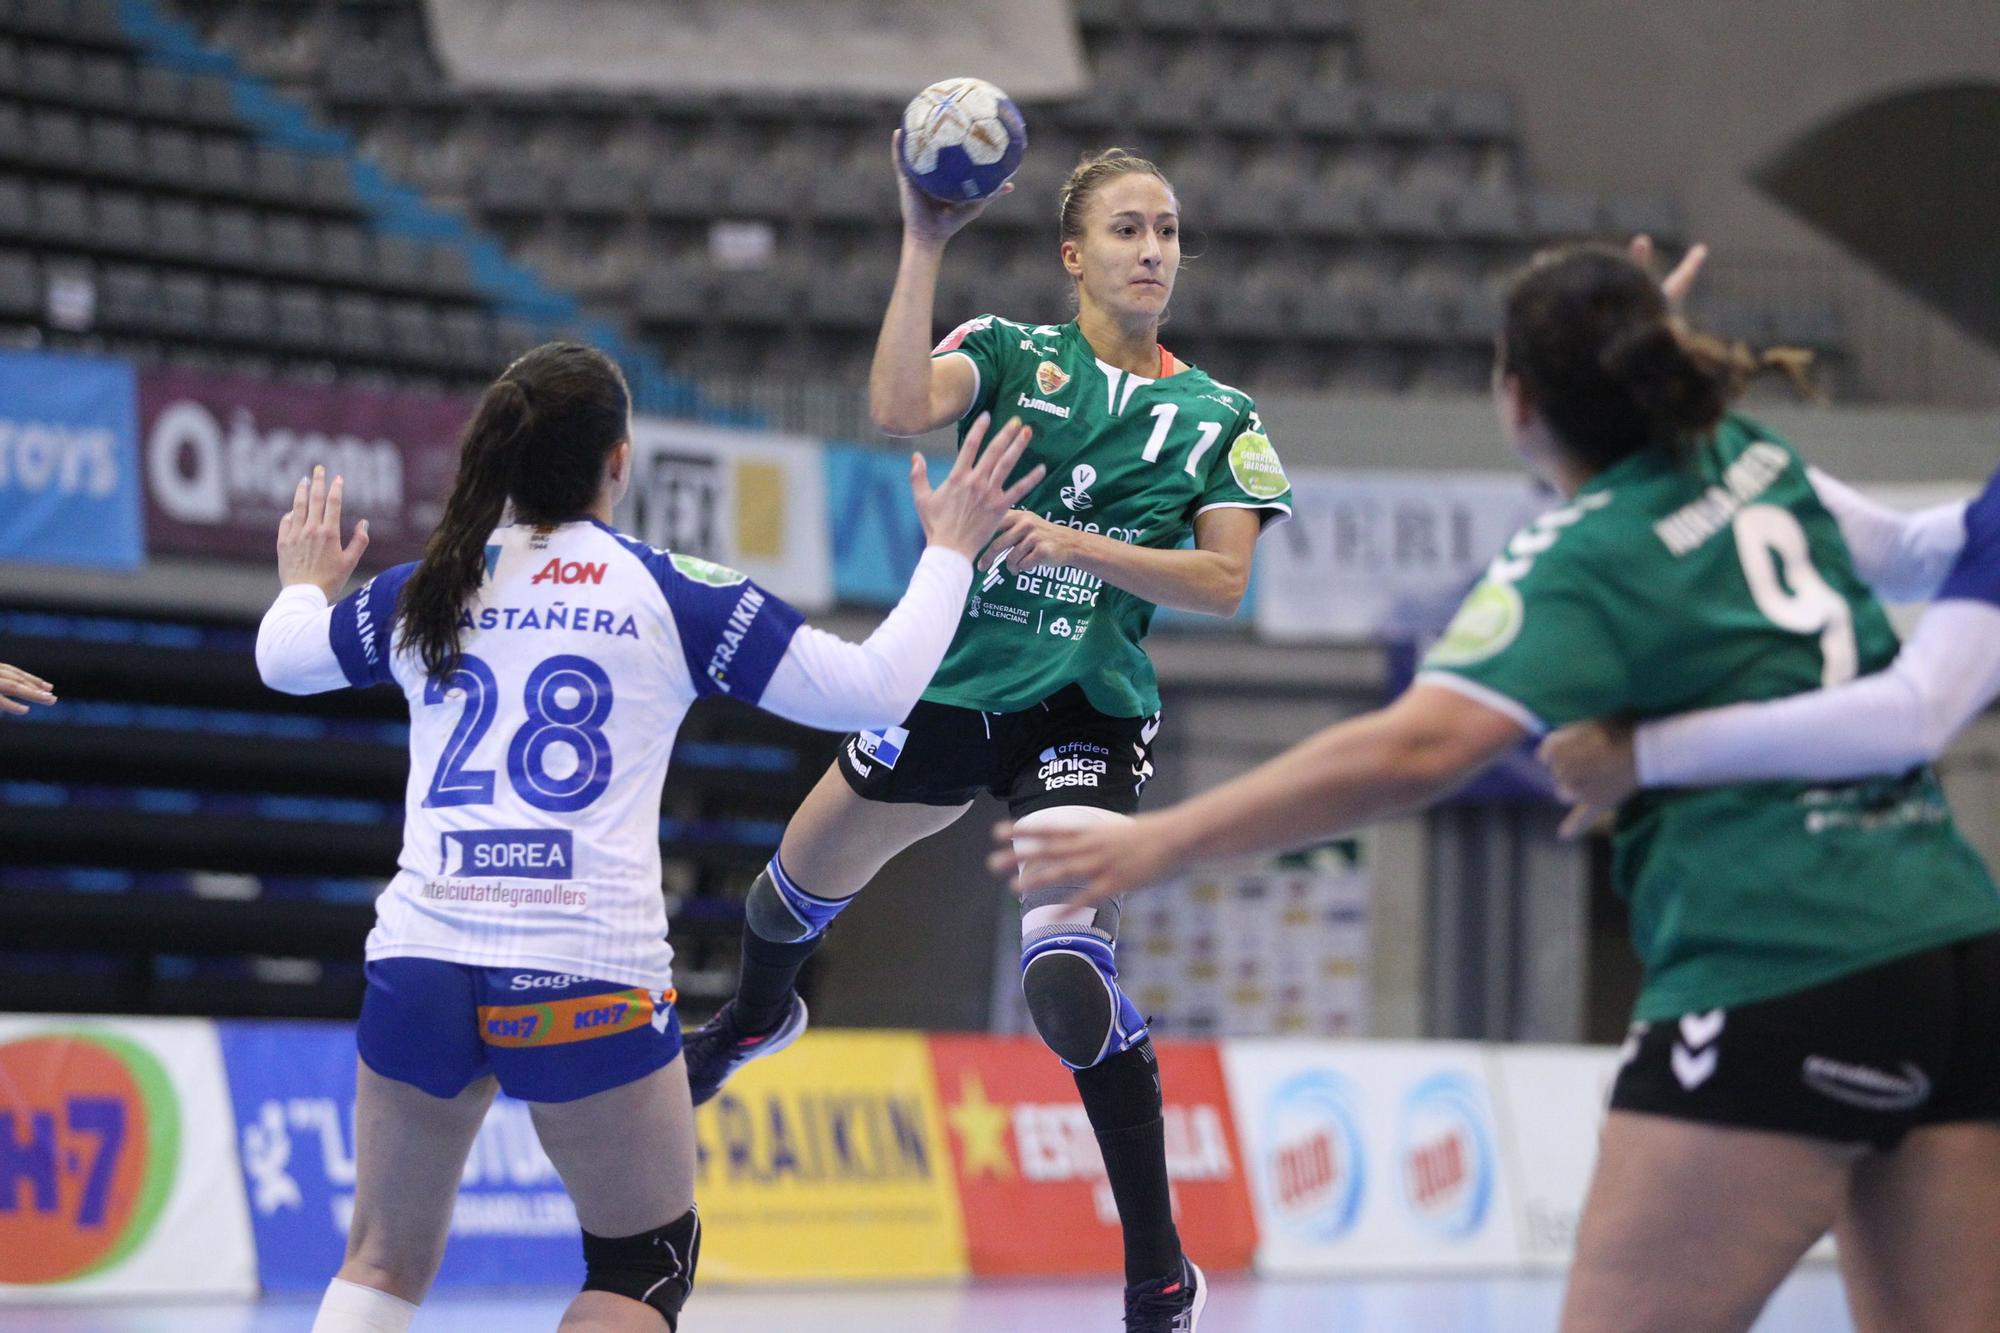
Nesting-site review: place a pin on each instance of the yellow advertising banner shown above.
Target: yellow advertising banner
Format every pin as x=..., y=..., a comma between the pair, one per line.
x=829, y=1161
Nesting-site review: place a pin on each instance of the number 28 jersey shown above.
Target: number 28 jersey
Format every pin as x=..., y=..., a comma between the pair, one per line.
x=1129, y=458
x=1660, y=589
x=532, y=813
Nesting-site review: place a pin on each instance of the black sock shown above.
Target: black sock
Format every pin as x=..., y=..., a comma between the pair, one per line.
x=1122, y=1098
x=770, y=973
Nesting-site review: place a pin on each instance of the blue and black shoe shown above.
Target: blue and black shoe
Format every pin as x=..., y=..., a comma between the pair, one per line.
x=1168, y=1304
x=718, y=1048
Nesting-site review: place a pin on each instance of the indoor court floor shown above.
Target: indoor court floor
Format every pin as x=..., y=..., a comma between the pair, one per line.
x=1810, y=1302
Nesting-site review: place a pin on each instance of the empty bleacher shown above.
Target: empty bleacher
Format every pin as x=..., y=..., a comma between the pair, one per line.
x=1293, y=169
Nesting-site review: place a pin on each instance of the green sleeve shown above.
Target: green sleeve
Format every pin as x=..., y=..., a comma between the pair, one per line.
x=1537, y=642
x=1243, y=472
x=984, y=342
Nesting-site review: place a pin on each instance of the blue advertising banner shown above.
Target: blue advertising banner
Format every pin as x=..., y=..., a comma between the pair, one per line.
x=69, y=461
x=292, y=1085
x=876, y=536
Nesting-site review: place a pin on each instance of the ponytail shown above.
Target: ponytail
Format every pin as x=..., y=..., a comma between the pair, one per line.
x=454, y=560
x=539, y=437
x=1610, y=368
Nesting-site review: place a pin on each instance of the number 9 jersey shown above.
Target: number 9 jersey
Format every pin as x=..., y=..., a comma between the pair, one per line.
x=531, y=829
x=1662, y=588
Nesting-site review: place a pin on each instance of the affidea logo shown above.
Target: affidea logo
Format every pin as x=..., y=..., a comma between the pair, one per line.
x=1446, y=1150
x=1314, y=1172
x=89, y=1146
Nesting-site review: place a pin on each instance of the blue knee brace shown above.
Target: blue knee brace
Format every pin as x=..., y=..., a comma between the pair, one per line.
x=781, y=911
x=1070, y=979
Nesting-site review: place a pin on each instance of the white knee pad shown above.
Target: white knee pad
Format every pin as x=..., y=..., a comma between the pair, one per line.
x=1069, y=975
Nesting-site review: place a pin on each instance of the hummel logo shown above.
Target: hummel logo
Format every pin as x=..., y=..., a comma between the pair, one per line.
x=1694, y=1066
x=1871, y=1089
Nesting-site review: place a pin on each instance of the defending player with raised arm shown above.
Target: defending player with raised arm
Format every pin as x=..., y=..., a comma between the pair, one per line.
x=1817, y=1039
x=1945, y=676
x=548, y=660
x=1046, y=698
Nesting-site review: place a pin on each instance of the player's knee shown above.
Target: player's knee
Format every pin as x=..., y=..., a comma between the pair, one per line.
x=655, y=1267
x=780, y=911
x=1070, y=981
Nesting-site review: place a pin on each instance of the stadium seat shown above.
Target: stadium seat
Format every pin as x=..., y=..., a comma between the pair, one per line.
x=466, y=339
x=288, y=246
x=1488, y=215
x=1404, y=113
x=123, y=224
x=400, y=262
x=1318, y=18
x=128, y=298
x=17, y=216
x=235, y=238
x=114, y=153
x=1171, y=15
x=1329, y=110
x=56, y=139
x=180, y=231
x=50, y=75
x=1410, y=213
x=1561, y=215
x=211, y=101
x=243, y=312
x=225, y=165
x=1250, y=17
x=20, y=285
x=185, y=304
x=357, y=327
x=599, y=188
x=62, y=214
x=15, y=146
x=160, y=93
x=170, y=156
x=300, y=323
x=1480, y=116
x=414, y=336
x=104, y=83
x=344, y=252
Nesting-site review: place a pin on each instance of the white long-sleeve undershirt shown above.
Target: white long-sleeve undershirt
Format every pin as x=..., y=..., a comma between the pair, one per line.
x=1903, y=556
x=1891, y=721
x=822, y=680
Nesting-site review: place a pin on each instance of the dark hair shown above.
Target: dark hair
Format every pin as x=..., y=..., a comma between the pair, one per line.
x=1605, y=362
x=539, y=437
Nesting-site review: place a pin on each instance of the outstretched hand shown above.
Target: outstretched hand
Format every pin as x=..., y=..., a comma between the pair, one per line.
x=1102, y=859
x=18, y=689
x=1678, y=283
x=309, y=546
x=965, y=509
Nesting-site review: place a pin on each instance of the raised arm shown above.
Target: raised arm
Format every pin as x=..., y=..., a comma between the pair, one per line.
x=909, y=393
x=825, y=681
x=1427, y=743
x=295, y=641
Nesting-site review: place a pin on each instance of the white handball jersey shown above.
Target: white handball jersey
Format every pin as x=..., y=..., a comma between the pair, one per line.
x=531, y=832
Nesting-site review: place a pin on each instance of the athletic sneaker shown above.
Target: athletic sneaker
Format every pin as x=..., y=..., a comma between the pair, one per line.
x=718, y=1048
x=1168, y=1304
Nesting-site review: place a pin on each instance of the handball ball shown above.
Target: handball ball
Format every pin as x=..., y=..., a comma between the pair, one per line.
x=962, y=139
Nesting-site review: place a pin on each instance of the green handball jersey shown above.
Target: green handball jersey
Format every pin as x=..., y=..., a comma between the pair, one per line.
x=1662, y=588
x=1130, y=458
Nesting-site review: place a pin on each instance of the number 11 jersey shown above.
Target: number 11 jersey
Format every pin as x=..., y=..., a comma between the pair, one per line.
x=1131, y=458
x=532, y=812
x=1662, y=588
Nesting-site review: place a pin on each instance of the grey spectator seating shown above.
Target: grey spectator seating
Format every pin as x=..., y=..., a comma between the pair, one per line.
x=1351, y=233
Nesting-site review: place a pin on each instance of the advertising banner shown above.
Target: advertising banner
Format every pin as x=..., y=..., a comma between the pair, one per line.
x=69, y=462
x=1384, y=555
x=829, y=1162
x=1031, y=1176
x=223, y=455
x=753, y=501
x=875, y=533
x=115, y=1162
x=1372, y=1157
x=293, y=1089
x=1551, y=1101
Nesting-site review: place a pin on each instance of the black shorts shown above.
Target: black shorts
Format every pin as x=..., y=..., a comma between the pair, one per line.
x=1059, y=752
x=1864, y=1058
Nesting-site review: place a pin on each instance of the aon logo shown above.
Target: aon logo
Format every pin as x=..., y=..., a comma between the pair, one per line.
x=569, y=571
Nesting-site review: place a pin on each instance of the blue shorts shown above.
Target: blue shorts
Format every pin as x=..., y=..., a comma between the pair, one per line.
x=547, y=1036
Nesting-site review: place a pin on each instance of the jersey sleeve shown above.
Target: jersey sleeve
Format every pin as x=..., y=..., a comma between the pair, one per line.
x=733, y=633
x=1975, y=576
x=363, y=630
x=983, y=343
x=1245, y=473
x=1534, y=643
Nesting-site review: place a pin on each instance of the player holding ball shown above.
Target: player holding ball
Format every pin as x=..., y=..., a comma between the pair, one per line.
x=1046, y=697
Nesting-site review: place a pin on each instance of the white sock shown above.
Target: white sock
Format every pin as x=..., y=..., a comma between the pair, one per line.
x=349, y=1307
